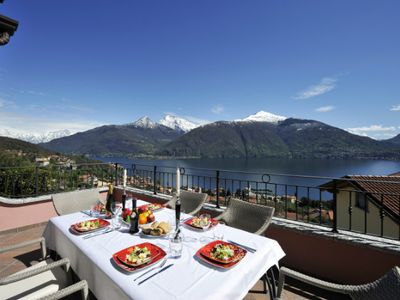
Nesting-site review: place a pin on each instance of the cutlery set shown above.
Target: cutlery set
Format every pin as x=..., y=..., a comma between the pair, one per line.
x=251, y=250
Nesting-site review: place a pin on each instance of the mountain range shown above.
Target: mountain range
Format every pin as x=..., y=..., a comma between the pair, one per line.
x=260, y=135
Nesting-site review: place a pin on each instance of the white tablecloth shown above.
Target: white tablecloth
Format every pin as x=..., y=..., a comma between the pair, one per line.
x=186, y=279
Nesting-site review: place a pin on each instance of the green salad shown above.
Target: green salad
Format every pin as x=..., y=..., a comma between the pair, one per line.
x=89, y=225
x=138, y=256
x=222, y=252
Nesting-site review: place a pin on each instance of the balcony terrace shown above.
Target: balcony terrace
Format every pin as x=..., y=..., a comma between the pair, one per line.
x=315, y=239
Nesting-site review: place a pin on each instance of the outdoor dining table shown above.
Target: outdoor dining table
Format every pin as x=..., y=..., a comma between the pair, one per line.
x=188, y=278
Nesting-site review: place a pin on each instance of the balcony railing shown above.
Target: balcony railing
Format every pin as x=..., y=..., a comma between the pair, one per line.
x=336, y=203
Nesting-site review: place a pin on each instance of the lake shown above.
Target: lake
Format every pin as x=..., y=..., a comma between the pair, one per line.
x=311, y=167
x=278, y=170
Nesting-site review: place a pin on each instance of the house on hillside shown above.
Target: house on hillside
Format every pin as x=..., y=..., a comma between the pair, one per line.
x=368, y=204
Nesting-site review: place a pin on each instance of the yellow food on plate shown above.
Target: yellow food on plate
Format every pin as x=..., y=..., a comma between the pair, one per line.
x=157, y=228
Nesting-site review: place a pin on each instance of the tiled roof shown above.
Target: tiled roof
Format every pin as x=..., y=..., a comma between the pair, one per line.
x=381, y=187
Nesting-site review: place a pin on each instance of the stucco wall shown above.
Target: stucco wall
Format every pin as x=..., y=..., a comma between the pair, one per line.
x=390, y=228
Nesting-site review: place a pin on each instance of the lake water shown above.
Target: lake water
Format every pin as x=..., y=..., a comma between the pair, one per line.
x=310, y=167
x=279, y=171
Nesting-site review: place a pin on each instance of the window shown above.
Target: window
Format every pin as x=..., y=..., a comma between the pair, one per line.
x=362, y=201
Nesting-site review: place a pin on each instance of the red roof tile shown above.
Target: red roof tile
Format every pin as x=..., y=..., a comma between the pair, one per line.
x=382, y=188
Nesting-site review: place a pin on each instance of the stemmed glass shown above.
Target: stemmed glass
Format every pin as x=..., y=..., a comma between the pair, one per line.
x=116, y=208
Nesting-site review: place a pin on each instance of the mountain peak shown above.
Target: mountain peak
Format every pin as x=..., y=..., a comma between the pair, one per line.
x=263, y=116
x=178, y=123
x=145, y=122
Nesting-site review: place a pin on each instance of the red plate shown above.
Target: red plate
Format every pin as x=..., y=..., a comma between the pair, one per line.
x=102, y=223
x=120, y=257
x=204, y=254
x=152, y=206
x=213, y=223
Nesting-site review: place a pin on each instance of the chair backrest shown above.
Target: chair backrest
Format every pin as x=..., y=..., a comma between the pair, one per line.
x=248, y=216
x=66, y=203
x=191, y=202
x=386, y=287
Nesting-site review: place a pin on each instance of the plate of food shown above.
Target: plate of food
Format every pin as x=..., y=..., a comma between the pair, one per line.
x=100, y=208
x=221, y=254
x=201, y=223
x=89, y=225
x=156, y=229
x=138, y=257
x=151, y=206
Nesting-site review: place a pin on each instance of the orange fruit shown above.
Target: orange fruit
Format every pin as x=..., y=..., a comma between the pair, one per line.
x=142, y=219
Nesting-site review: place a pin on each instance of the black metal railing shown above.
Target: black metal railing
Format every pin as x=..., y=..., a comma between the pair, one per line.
x=36, y=181
x=337, y=203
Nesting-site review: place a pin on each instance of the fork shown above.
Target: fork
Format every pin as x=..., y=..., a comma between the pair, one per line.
x=152, y=269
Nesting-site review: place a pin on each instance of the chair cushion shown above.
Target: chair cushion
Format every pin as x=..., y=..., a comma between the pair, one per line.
x=37, y=286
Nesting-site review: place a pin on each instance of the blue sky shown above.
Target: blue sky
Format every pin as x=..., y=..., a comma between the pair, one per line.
x=80, y=64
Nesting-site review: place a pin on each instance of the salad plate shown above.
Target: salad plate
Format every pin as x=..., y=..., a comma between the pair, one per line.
x=197, y=223
x=89, y=226
x=221, y=254
x=151, y=206
x=138, y=257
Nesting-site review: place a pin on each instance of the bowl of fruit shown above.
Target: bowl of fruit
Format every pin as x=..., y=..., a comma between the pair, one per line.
x=145, y=216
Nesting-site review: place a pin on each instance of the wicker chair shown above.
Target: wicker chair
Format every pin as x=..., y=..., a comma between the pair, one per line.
x=191, y=202
x=44, y=280
x=247, y=216
x=66, y=203
x=386, y=287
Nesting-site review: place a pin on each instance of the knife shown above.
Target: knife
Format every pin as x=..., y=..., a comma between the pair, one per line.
x=162, y=270
x=98, y=233
x=252, y=250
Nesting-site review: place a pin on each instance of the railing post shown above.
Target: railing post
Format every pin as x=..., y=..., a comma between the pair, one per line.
x=334, y=207
x=116, y=174
x=154, y=180
x=217, y=188
x=36, y=180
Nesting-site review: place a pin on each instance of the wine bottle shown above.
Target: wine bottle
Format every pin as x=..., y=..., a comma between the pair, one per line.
x=134, y=226
x=177, y=211
x=110, y=198
x=123, y=200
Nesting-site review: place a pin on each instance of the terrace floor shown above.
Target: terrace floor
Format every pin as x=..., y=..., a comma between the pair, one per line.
x=16, y=260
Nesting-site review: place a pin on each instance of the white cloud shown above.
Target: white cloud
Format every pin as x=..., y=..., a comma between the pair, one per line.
x=326, y=85
x=395, y=108
x=324, y=109
x=374, y=131
x=217, y=109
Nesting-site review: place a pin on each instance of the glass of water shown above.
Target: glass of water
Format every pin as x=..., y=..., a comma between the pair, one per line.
x=219, y=231
x=175, y=246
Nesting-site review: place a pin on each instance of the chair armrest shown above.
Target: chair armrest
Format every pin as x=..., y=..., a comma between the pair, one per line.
x=35, y=271
x=334, y=287
x=69, y=290
x=41, y=240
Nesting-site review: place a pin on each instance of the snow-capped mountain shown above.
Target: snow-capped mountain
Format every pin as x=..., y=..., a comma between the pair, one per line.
x=178, y=123
x=145, y=122
x=34, y=138
x=263, y=116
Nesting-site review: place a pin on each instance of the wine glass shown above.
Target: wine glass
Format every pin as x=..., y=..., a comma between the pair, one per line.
x=116, y=208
